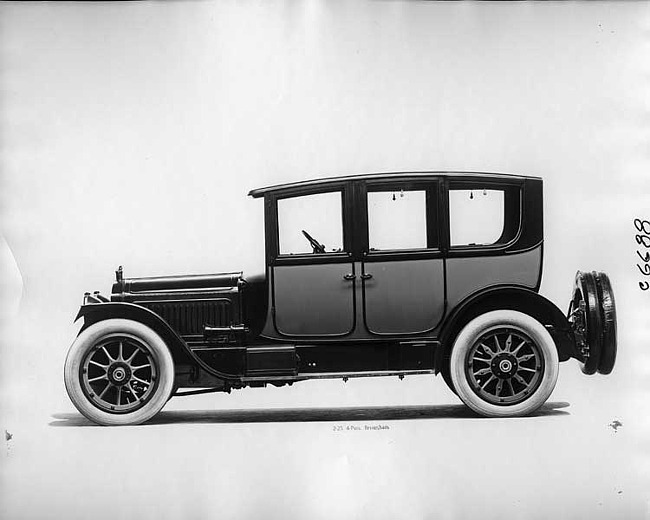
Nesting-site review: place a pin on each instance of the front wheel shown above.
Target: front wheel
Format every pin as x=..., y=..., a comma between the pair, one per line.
x=119, y=372
x=504, y=363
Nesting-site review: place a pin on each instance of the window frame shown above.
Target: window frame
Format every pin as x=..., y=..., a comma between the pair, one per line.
x=272, y=227
x=510, y=209
x=433, y=208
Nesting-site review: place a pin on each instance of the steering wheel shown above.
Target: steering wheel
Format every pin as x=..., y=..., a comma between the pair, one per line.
x=315, y=244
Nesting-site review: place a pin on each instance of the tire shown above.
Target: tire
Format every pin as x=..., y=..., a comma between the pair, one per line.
x=585, y=290
x=119, y=372
x=607, y=307
x=520, y=359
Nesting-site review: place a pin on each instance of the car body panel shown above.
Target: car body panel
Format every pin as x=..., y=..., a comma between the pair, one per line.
x=314, y=300
x=466, y=276
x=403, y=296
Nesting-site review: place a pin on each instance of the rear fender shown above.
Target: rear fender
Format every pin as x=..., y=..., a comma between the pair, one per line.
x=510, y=298
x=181, y=353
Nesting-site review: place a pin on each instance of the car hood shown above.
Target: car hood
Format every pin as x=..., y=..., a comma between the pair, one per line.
x=177, y=283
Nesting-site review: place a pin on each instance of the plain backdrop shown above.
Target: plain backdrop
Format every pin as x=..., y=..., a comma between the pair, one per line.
x=131, y=133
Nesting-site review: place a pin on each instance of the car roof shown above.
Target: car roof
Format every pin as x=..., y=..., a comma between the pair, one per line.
x=387, y=176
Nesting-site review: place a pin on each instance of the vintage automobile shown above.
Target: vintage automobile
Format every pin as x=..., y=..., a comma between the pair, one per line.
x=366, y=275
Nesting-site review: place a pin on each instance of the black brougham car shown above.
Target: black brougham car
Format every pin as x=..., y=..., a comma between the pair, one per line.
x=367, y=275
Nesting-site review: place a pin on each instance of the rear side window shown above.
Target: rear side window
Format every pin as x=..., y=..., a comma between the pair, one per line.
x=483, y=216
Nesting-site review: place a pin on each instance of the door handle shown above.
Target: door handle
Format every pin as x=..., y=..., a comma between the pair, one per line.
x=366, y=276
x=349, y=276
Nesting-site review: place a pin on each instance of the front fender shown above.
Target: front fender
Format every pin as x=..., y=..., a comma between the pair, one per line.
x=181, y=353
x=509, y=297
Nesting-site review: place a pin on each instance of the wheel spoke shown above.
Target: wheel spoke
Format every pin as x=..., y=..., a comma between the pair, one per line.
x=525, y=358
x=517, y=349
x=525, y=369
x=488, y=350
x=132, y=390
x=499, y=387
x=484, y=360
x=108, y=355
x=98, y=378
x=521, y=380
x=119, y=396
x=482, y=372
x=128, y=395
x=496, y=342
x=146, y=365
x=508, y=343
x=141, y=380
x=135, y=353
x=105, y=367
x=108, y=385
x=120, y=352
x=512, y=390
x=491, y=378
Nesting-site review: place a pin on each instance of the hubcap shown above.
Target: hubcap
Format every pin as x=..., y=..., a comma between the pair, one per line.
x=118, y=374
x=504, y=366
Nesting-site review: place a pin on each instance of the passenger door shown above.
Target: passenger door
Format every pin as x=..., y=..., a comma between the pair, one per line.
x=312, y=274
x=403, y=267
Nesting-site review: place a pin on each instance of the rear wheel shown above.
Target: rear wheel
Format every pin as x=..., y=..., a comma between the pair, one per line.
x=119, y=372
x=504, y=363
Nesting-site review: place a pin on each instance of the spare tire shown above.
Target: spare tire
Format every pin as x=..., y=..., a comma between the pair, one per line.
x=608, y=319
x=585, y=291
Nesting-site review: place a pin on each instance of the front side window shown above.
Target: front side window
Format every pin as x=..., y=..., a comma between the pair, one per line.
x=397, y=219
x=311, y=224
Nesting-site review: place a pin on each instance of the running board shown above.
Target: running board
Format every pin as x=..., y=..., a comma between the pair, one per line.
x=283, y=361
x=342, y=375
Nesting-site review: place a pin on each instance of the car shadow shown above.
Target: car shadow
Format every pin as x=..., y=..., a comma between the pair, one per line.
x=290, y=415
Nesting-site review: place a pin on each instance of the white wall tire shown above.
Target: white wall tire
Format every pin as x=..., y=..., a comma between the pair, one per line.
x=504, y=364
x=119, y=372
